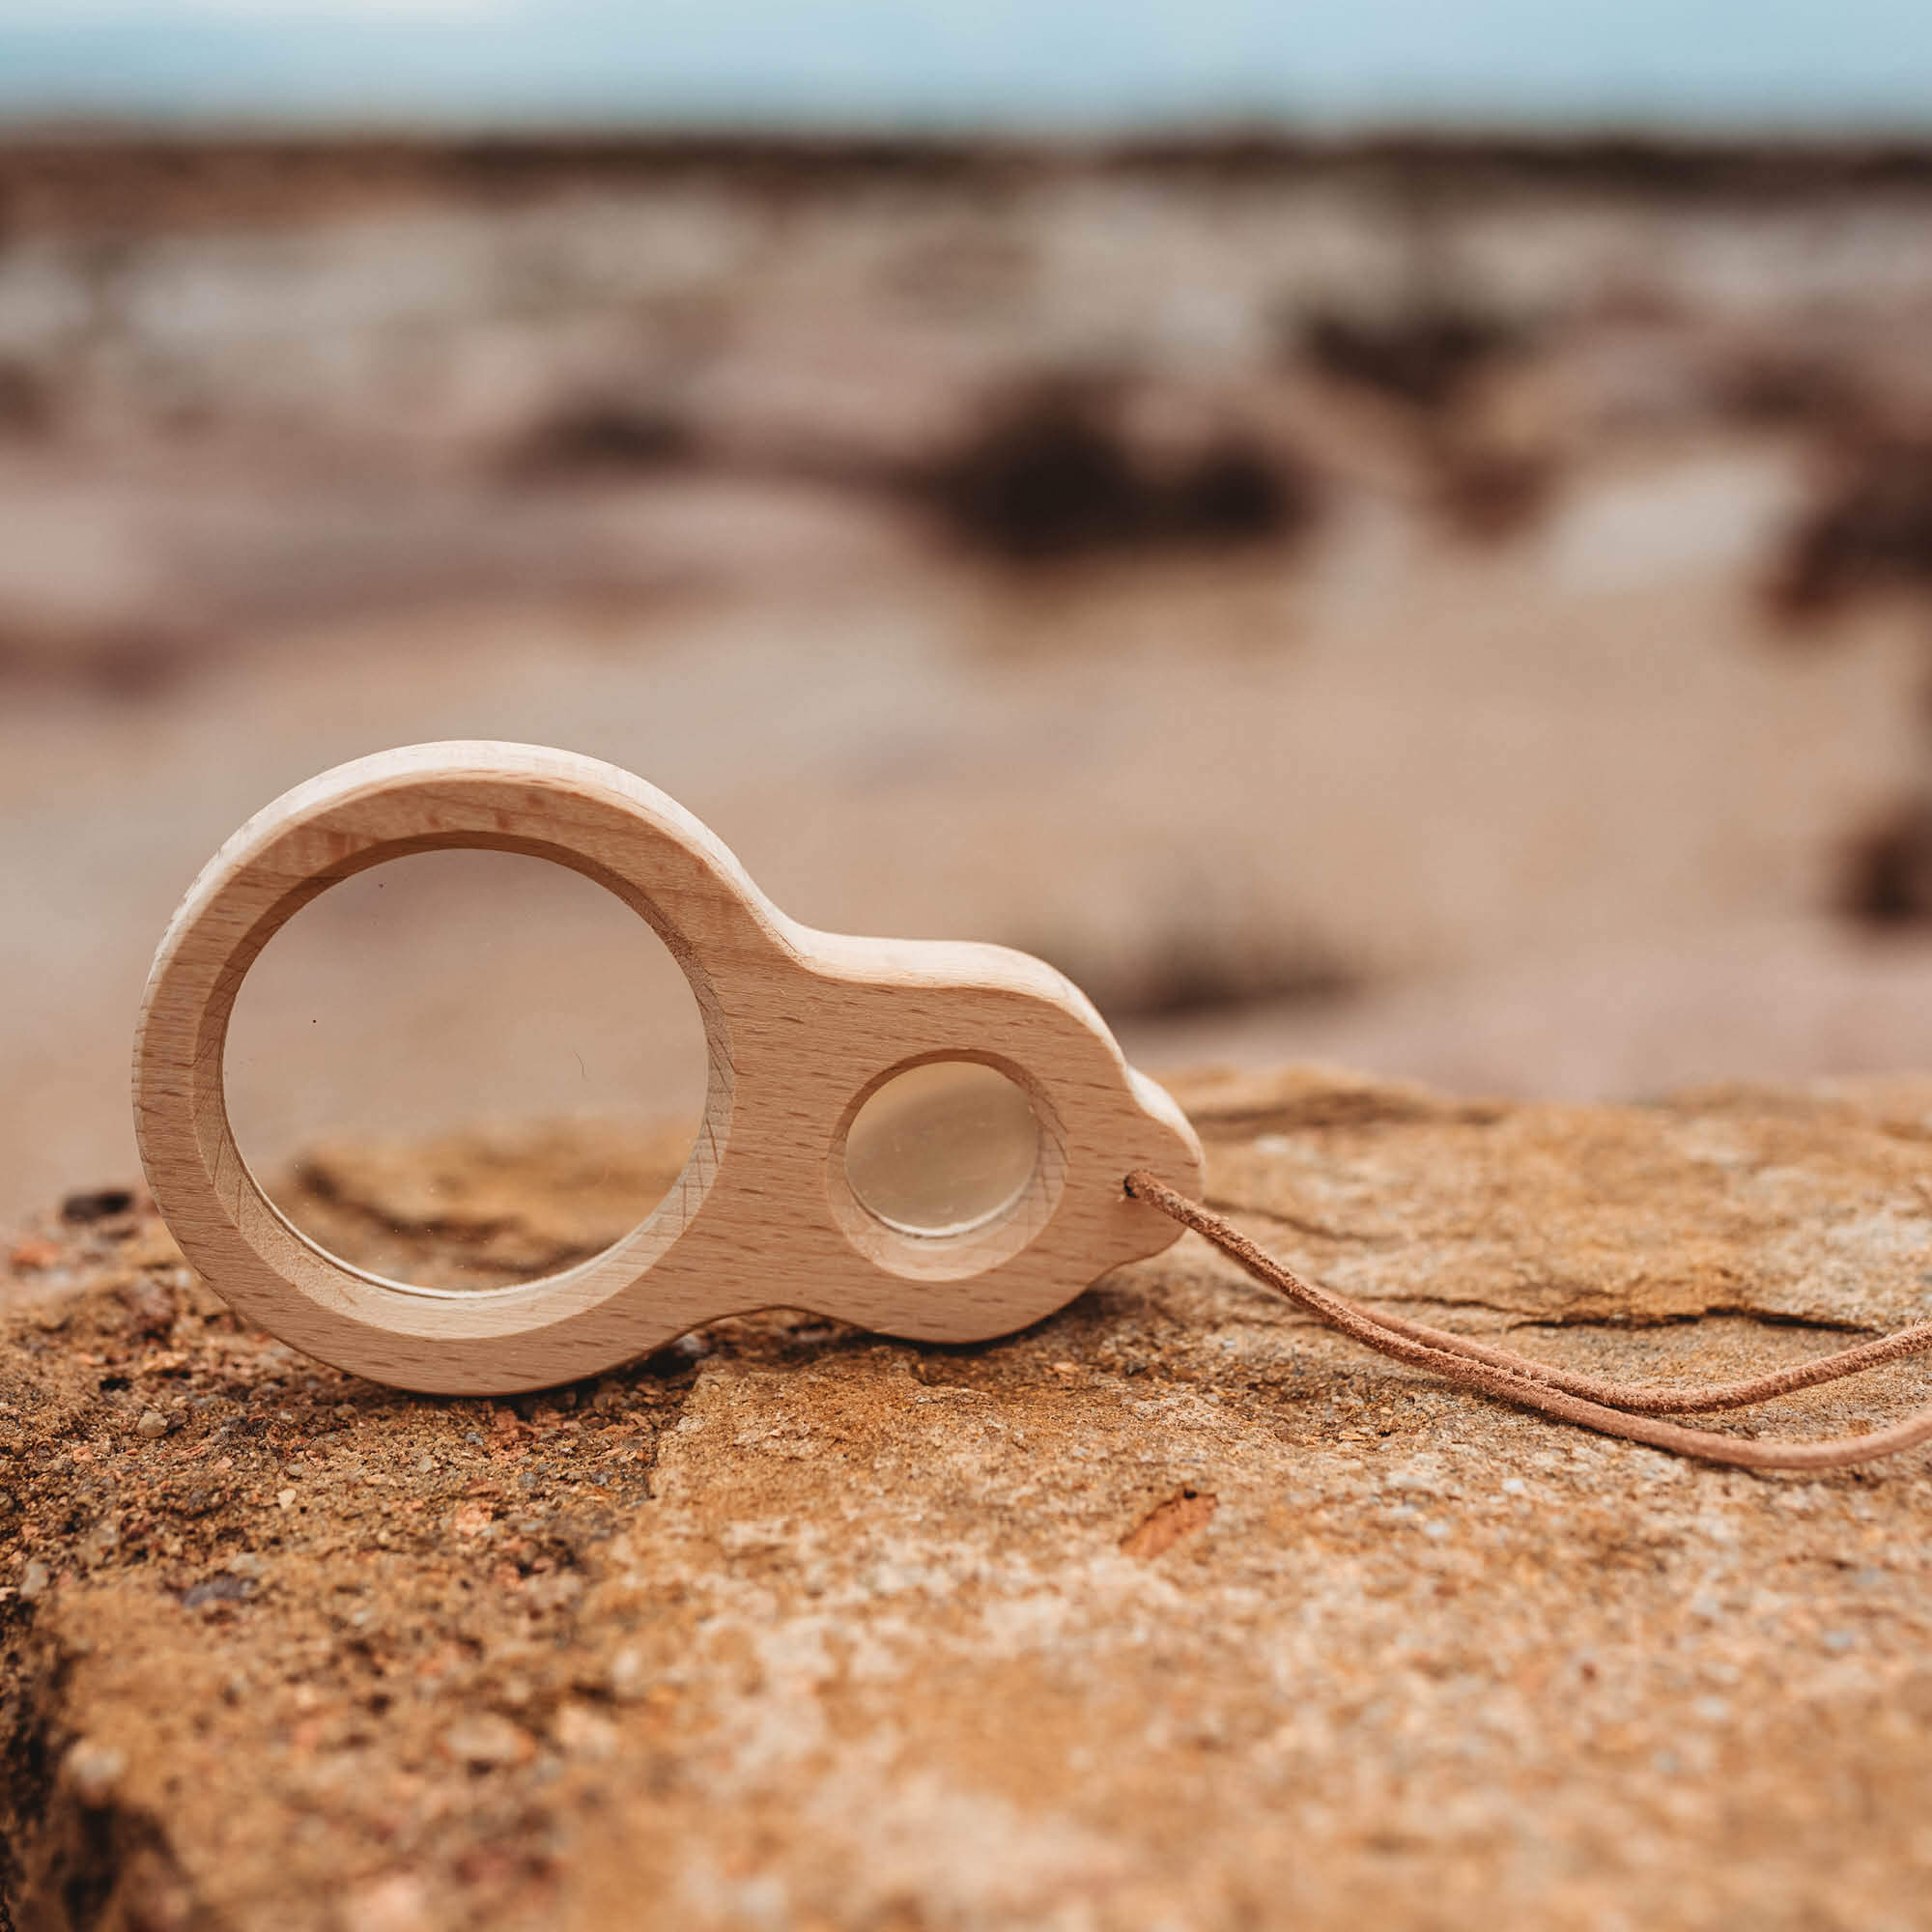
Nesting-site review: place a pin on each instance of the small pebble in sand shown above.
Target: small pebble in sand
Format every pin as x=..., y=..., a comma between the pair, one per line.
x=629, y=1677
x=285, y=1499
x=34, y=1582
x=94, y=1771
x=583, y=1733
x=398, y=1903
x=486, y=1741
x=152, y=1425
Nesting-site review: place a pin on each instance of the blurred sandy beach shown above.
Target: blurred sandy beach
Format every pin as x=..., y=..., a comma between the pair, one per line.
x=1455, y=607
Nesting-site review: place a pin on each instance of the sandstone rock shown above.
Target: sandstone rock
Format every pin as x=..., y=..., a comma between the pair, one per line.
x=1175, y=1611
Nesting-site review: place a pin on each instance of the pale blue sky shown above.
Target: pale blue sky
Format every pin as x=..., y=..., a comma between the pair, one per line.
x=1001, y=63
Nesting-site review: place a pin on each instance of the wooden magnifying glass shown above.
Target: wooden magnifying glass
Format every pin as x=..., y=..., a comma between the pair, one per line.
x=822, y=1049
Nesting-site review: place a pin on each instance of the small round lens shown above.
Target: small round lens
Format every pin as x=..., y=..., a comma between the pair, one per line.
x=943, y=1148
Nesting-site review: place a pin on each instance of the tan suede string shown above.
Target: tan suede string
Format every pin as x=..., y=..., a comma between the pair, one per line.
x=1611, y=1408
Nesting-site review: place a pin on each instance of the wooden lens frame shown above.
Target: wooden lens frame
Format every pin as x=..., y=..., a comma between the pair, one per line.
x=801, y=1028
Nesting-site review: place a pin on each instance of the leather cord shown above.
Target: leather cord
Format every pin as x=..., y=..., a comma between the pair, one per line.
x=1623, y=1409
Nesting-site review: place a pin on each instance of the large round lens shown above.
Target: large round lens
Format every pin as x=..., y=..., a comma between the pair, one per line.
x=466, y=1070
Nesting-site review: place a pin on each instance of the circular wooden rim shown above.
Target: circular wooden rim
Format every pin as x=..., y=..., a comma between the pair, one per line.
x=253, y=887
x=468, y=1311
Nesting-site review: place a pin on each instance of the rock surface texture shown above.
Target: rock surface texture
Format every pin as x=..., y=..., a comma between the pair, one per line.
x=1174, y=1612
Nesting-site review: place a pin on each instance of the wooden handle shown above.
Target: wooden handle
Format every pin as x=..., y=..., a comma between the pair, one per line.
x=802, y=1028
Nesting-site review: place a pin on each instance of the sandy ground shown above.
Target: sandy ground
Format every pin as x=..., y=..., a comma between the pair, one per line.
x=1174, y=1609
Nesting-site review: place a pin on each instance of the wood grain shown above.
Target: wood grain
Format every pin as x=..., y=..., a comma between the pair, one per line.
x=802, y=1028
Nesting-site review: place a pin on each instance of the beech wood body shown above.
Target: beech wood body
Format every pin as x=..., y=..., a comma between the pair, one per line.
x=801, y=1026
